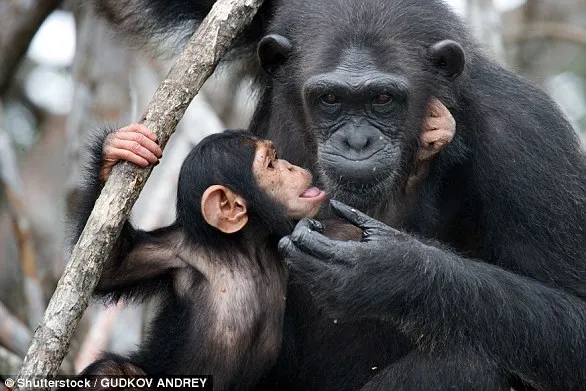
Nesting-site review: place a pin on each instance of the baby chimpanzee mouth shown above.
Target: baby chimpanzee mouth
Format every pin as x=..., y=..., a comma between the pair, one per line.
x=312, y=192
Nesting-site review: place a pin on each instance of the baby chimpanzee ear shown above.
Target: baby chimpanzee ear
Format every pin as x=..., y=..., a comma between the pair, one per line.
x=223, y=209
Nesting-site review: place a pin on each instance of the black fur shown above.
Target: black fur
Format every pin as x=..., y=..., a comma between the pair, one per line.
x=221, y=297
x=83, y=202
x=509, y=191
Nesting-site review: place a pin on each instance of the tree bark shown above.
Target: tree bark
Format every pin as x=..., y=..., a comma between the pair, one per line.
x=195, y=64
x=19, y=21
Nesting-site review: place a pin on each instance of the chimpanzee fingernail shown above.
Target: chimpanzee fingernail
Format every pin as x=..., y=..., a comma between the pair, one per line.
x=157, y=163
x=316, y=225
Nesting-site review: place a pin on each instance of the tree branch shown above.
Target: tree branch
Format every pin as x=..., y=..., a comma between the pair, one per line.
x=19, y=21
x=197, y=62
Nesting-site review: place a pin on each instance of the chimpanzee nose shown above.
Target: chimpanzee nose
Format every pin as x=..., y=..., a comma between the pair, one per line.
x=357, y=140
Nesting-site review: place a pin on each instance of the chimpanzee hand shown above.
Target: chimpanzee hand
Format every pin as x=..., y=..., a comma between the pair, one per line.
x=134, y=143
x=352, y=279
x=439, y=128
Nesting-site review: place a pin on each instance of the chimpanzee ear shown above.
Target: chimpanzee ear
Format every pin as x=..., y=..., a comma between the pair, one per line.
x=448, y=56
x=273, y=50
x=224, y=209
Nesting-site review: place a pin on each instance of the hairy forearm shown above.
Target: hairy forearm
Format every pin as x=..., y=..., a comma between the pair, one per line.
x=531, y=329
x=117, y=274
x=90, y=188
x=82, y=207
x=141, y=263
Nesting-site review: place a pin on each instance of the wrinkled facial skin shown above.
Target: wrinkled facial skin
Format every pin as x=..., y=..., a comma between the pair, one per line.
x=358, y=115
x=285, y=183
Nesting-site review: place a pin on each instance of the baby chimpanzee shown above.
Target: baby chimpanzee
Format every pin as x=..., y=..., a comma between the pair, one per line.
x=216, y=270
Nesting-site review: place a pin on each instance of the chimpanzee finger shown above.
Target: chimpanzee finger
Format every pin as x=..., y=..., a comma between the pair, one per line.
x=353, y=215
x=437, y=131
x=303, y=263
x=140, y=128
x=113, y=155
x=289, y=251
x=133, y=148
x=313, y=243
x=435, y=108
x=140, y=139
x=367, y=224
x=316, y=225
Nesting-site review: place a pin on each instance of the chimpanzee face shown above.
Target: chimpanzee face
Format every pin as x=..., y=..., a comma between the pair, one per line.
x=364, y=109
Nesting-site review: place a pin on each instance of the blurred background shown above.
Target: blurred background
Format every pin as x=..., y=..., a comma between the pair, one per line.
x=63, y=72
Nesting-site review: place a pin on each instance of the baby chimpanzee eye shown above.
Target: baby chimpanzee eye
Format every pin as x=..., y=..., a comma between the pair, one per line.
x=273, y=160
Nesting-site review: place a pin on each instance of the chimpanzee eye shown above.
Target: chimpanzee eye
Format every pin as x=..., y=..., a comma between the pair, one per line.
x=329, y=99
x=382, y=99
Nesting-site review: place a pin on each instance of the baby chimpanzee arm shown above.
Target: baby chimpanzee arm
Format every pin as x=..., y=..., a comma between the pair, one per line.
x=139, y=261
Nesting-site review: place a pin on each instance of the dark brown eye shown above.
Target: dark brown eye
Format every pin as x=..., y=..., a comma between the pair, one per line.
x=382, y=99
x=329, y=99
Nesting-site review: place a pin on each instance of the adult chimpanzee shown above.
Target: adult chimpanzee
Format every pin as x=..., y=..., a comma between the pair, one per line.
x=216, y=269
x=502, y=297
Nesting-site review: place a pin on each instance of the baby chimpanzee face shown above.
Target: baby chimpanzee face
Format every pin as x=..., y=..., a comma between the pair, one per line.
x=285, y=183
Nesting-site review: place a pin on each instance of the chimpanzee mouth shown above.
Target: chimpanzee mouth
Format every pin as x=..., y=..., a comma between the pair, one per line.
x=312, y=192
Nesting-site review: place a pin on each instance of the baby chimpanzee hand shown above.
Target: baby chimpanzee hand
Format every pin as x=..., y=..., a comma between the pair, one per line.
x=134, y=143
x=439, y=128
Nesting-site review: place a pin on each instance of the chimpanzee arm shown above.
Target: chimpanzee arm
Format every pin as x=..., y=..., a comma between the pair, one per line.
x=140, y=261
x=534, y=331
x=83, y=200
